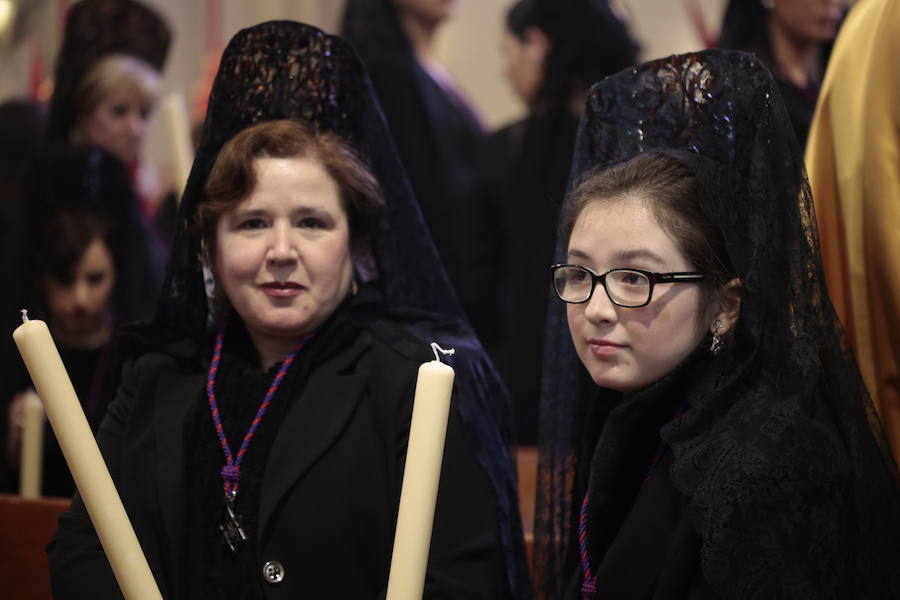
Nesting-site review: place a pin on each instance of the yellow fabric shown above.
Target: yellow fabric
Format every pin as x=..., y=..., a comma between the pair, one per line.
x=853, y=159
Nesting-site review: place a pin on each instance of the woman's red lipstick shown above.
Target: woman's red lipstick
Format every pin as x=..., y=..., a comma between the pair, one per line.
x=282, y=289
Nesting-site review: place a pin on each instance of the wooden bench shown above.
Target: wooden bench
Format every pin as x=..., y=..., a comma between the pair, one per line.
x=527, y=461
x=25, y=529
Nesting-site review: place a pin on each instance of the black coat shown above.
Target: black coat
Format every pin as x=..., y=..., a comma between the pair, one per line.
x=329, y=498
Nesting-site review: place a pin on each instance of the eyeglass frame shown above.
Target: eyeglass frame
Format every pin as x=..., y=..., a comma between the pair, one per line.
x=652, y=277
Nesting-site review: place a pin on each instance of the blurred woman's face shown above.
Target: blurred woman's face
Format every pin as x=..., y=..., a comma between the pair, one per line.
x=118, y=123
x=627, y=349
x=524, y=63
x=814, y=21
x=80, y=306
x=283, y=255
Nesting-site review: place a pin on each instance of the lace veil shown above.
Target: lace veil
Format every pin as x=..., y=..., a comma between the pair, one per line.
x=781, y=418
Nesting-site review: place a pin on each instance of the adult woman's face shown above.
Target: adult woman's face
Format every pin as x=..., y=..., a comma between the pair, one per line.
x=627, y=349
x=79, y=306
x=283, y=255
x=118, y=124
x=814, y=21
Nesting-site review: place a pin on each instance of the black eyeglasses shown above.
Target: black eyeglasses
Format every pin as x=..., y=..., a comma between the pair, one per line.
x=629, y=288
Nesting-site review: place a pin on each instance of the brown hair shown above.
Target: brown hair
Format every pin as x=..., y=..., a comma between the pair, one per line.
x=670, y=189
x=233, y=175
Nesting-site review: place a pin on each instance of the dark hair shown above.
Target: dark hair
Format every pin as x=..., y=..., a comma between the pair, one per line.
x=745, y=27
x=233, y=176
x=588, y=42
x=671, y=191
x=63, y=240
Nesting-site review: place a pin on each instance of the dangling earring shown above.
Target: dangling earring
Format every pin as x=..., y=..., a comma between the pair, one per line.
x=717, y=344
x=354, y=287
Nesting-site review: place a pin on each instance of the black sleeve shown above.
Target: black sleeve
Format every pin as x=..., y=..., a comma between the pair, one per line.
x=78, y=566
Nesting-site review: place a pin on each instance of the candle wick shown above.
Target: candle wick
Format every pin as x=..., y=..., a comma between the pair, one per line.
x=435, y=348
x=25, y=318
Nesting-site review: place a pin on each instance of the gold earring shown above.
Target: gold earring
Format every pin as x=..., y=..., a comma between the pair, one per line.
x=717, y=343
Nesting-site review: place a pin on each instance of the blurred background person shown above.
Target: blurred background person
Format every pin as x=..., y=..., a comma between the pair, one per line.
x=852, y=160
x=436, y=130
x=73, y=257
x=107, y=82
x=554, y=50
x=793, y=39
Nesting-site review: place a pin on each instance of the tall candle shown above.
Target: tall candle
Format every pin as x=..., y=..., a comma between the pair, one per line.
x=424, y=454
x=31, y=457
x=85, y=461
x=179, y=129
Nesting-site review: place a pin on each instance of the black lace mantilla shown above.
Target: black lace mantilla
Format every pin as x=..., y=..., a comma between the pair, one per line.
x=283, y=69
x=781, y=454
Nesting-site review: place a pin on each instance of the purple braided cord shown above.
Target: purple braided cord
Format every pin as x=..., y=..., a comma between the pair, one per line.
x=231, y=471
x=588, y=581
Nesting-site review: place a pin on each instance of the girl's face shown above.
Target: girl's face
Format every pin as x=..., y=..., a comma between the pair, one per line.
x=283, y=254
x=627, y=349
x=80, y=307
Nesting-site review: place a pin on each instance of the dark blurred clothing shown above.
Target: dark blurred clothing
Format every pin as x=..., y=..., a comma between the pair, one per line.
x=21, y=124
x=438, y=138
x=89, y=370
x=522, y=181
x=435, y=130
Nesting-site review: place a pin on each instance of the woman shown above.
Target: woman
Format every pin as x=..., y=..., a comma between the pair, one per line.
x=435, y=128
x=793, y=39
x=316, y=310
x=107, y=82
x=554, y=50
x=74, y=224
x=722, y=443
x=75, y=272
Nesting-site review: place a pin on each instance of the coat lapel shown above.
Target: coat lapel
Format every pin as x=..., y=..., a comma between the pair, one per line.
x=311, y=426
x=174, y=397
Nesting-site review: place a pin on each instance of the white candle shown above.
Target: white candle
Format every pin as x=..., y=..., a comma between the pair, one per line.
x=424, y=454
x=85, y=461
x=179, y=129
x=32, y=453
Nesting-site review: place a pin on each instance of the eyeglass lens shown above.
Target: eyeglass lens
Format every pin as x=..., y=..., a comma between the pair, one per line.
x=624, y=287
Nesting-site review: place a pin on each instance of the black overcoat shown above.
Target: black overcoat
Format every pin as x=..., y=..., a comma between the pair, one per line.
x=330, y=493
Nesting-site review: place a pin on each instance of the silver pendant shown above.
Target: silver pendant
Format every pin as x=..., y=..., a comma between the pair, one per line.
x=231, y=527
